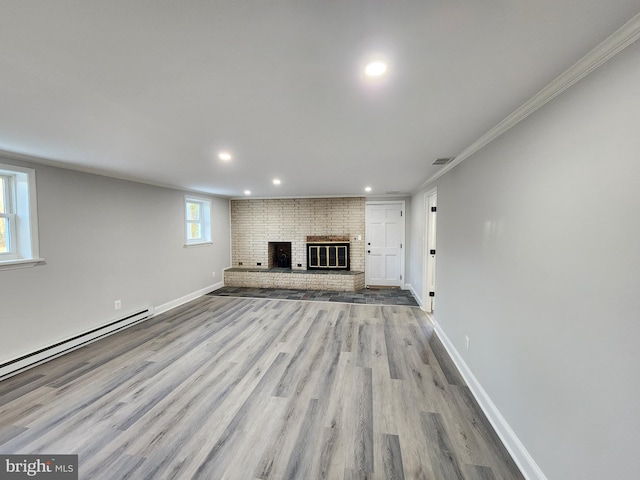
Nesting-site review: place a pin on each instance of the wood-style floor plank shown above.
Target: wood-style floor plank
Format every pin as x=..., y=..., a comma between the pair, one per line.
x=389, y=458
x=238, y=388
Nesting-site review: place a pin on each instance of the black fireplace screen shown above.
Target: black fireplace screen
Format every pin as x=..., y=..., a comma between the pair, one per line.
x=333, y=256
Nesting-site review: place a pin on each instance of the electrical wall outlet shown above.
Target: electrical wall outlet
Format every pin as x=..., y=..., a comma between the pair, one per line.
x=214, y=274
x=466, y=341
x=239, y=263
x=117, y=304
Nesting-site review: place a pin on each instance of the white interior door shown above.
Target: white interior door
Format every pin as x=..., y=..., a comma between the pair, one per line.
x=384, y=244
x=431, y=202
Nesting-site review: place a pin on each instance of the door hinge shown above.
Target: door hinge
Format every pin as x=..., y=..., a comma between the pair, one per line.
x=432, y=294
x=400, y=245
x=433, y=209
x=400, y=277
x=400, y=212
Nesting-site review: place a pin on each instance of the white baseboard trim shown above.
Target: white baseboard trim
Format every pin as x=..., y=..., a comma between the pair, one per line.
x=512, y=443
x=187, y=298
x=49, y=352
x=19, y=364
x=415, y=295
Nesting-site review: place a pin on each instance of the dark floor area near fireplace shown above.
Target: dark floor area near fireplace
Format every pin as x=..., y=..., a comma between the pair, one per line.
x=370, y=296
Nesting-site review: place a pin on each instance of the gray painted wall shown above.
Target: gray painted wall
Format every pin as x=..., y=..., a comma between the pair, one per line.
x=103, y=239
x=539, y=263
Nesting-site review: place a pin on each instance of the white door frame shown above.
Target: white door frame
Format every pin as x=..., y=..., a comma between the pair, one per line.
x=403, y=240
x=427, y=302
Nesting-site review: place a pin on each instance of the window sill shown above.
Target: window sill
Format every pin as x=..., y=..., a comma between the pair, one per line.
x=20, y=263
x=200, y=244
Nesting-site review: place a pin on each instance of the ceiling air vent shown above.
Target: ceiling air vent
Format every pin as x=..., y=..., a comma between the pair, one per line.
x=443, y=161
x=393, y=192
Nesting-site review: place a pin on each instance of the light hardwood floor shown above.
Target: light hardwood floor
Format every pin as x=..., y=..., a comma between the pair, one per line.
x=243, y=388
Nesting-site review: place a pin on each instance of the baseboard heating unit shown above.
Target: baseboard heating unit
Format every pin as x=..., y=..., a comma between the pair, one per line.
x=37, y=357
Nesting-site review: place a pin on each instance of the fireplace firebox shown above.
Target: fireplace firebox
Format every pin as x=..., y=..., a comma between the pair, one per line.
x=279, y=254
x=328, y=256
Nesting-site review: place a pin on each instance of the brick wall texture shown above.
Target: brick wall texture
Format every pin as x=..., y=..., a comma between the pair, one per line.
x=338, y=283
x=255, y=223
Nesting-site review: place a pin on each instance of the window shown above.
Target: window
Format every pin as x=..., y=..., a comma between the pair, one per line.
x=7, y=218
x=18, y=218
x=197, y=220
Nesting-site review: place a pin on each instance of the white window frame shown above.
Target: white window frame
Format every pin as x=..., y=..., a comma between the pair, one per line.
x=204, y=222
x=22, y=215
x=8, y=194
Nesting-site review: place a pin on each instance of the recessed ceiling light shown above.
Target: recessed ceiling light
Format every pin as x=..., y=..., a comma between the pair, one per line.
x=375, y=69
x=276, y=181
x=224, y=156
x=367, y=189
x=247, y=192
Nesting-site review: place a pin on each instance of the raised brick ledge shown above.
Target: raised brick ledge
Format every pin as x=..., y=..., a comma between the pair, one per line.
x=343, y=281
x=297, y=271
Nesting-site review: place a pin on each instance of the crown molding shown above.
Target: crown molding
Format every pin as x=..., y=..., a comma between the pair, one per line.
x=32, y=159
x=612, y=45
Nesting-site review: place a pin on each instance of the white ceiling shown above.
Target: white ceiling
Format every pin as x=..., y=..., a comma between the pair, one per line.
x=152, y=90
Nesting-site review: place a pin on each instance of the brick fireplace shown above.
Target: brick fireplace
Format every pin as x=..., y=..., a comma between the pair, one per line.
x=258, y=227
x=255, y=223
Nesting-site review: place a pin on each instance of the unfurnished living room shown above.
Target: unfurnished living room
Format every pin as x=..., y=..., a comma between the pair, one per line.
x=319, y=239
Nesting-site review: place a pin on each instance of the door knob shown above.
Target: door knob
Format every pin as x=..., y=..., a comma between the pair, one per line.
x=368, y=251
